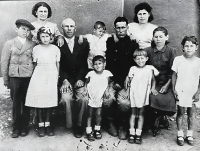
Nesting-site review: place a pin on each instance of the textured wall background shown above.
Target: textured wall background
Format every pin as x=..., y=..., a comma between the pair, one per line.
x=180, y=17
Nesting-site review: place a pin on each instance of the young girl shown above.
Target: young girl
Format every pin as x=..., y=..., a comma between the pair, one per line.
x=96, y=82
x=42, y=91
x=185, y=82
x=140, y=78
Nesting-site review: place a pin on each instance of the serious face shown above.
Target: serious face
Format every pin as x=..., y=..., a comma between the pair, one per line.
x=69, y=28
x=121, y=29
x=23, y=31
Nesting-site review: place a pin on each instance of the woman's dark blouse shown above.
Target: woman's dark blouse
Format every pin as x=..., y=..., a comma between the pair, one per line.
x=162, y=60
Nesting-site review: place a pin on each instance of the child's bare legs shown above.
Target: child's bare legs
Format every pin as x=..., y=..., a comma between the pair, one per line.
x=179, y=121
x=190, y=119
x=97, y=128
x=132, y=125
x=140, y=118
x=89, y=124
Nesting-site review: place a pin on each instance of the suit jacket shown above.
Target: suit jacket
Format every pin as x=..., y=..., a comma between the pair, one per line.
x=16, y=59
x=73, y=66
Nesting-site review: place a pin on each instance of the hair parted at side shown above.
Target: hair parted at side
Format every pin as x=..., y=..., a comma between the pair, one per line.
x=98, y=58
x=36, y=6
x=193, y=39
x=120, y=19
x=139, y=52
x=142, y=6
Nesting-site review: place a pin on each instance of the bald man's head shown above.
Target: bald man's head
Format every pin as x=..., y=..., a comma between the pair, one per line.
x=69, y=27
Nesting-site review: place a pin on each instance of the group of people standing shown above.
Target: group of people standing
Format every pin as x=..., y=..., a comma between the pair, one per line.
x=127, y=79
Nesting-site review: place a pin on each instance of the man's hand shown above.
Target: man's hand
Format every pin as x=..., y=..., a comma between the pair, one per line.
x=175, y=94
x=196, y=97
x=154, y=91
x=80, y=40
x=7, y=84
x=164, y=89
x=66, y=87
x=79, y=83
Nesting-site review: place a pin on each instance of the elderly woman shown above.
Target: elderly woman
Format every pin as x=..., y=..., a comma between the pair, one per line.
x=42, y=11
x=141, y=29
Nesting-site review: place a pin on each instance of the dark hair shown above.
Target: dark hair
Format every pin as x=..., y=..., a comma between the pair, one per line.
x=36, y=6
x=139, y=52
x=120, y=19
x=101, y=24
x=142, y=6
x=164, y=30
x=98, y=58
x=45, y=30
x=193, y=39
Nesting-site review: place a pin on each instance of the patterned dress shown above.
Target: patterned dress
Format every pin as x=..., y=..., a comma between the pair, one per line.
x=97, y=86
x=141, y=85
x=42, y=91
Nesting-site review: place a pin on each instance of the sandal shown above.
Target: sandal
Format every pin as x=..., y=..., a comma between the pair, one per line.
x=131, y=139
x=180, y=140
x=190, y=140
x=138, y=139
x=97, y=134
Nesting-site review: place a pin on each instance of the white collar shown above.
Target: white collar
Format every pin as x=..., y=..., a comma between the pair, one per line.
x=69, y=39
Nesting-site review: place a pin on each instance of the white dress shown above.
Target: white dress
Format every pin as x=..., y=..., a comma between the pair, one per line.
x=143, y=36
x=97, y=47
x=141, y=85
x=42, y=90
x=188, y=74
x=97, y=86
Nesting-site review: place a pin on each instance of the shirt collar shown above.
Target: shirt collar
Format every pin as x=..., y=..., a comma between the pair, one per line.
x=69, y=39
x=162, y=50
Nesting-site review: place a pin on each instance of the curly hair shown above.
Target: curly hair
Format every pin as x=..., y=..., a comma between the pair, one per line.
x=36, y=6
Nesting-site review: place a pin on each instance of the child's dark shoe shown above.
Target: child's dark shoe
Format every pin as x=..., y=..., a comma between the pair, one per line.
x=90, y=137
x=138, y=139
x=97, y=134
x=180, y=140
x=41, y=131
x=190, y=140
x=50, y=131
x=131, y=139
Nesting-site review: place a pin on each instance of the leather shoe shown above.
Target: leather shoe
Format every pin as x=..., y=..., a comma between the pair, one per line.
x=24, y=132
x=15, y=133
x=49, y=131
x=122, y=133
x=78, y=132
x=112, y=130
x=41, y=131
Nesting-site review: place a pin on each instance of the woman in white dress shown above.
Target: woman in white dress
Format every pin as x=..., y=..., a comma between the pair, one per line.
x=97, y=82
x=42, y=92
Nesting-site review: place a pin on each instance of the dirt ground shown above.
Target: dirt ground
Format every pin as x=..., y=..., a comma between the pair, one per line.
x=65, y=141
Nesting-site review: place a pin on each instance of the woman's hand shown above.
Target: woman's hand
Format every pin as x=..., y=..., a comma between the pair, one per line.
x=154, y=91
x=175, y=94
x=196, y=97
x=164, y=89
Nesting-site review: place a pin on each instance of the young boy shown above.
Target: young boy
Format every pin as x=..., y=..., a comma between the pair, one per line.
x=17, y=68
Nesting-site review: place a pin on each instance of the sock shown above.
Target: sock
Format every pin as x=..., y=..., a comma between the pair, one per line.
x=47, y=124
x=97, y=128
x=132, y=131
x=88, y=130
x=190, y=133
x=138, y=132
x=41, y=124
x=180, y=133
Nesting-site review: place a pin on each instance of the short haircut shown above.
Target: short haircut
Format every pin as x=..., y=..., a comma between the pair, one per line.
x=43, y=30
x=193, y=39
x=139, y=52
x=101, y=24
x=36, y=6
x=164, y=30
x=142, y=6
x=120, y=19
x=98, y=58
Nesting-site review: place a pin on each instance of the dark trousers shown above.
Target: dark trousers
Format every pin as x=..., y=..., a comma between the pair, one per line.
x=21, y=113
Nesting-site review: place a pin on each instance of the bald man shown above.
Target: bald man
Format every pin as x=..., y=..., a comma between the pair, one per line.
x=73, y=69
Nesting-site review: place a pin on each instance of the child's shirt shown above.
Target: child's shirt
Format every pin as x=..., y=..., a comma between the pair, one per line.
x=16, y=59
x=188, y=74
x=141, y=84
x=97, y=46
x=97, y=86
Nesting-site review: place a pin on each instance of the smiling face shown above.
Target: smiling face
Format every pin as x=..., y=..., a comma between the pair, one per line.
x=143, y=16
x=160, y=38
x=45, y=38
x=141, y=60
x=189, y=48
x=99, y=31
x=23, y=31
x=99, y=66
x=42, y=13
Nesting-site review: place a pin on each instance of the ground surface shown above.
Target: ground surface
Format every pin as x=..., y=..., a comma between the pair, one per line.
x=65, y=141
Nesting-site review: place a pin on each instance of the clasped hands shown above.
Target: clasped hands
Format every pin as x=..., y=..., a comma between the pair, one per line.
x=67, y=87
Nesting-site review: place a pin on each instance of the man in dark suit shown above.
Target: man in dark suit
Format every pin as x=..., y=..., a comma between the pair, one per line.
x=73, y=68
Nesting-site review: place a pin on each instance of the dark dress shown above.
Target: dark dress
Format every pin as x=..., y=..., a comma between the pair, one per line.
x=162, y=61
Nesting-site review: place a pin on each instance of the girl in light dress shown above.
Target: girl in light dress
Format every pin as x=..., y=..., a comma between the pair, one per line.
x=185, y=82
x=42, y=91
x=97, y=82
x=141, y=82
